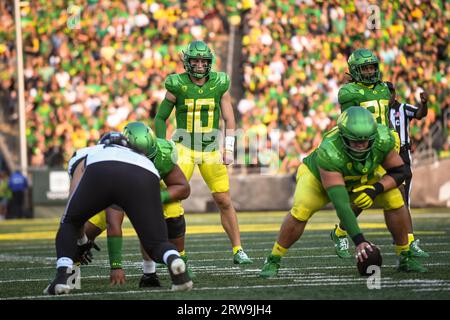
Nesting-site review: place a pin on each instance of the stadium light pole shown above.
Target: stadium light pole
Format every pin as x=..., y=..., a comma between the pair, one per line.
x=21, y=87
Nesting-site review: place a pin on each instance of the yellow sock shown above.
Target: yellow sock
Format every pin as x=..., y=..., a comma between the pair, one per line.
x=339, y=232
x=278, y=250
x=399, y=249
x=182, y=253
x=410, y=238
x=236, y=249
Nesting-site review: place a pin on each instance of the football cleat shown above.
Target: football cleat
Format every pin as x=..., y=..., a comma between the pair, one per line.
x=407, y=263
x=189, y=271
x=149, y=280
x=416, y=251
x=179, y=276
x=341, y=245
x=60, y=285
x=240, y=257
x=270, y=267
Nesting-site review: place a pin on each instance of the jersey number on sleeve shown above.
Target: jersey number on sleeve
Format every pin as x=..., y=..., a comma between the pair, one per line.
x=194, y=121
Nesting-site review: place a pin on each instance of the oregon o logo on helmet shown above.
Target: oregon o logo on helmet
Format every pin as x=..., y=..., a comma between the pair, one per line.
x=374, y=280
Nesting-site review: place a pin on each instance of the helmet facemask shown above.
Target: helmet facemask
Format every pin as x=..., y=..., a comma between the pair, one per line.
x=357, y=153
x=366, y=78
x=193, y=64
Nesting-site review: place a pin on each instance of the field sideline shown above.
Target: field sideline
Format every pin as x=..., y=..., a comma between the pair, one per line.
x=309, y=271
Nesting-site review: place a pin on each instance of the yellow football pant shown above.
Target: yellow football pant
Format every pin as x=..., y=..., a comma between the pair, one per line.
x=310, y=196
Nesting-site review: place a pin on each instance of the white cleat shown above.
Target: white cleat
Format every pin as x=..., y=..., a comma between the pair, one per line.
x=180, y=278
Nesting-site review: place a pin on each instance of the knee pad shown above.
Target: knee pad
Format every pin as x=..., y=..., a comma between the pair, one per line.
x=176, y=227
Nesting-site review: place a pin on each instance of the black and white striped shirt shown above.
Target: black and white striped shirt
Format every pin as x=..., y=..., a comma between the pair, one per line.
x=400, y=116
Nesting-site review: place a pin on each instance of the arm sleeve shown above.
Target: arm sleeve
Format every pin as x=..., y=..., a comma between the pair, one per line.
x=115, y=252
x=164, y=111
x=341, y=201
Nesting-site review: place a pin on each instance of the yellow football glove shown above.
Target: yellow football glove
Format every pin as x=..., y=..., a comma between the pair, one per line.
x=367, y=195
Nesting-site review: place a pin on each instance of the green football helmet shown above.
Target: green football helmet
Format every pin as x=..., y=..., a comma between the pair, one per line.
x=197, y=50
x=360, y=58
x=141, y=138
x=357, y=124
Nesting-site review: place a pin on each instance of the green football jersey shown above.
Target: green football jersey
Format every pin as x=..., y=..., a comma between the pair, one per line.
x=330, y=156
x=375, y=99
x=197, y=109
x=166, y=157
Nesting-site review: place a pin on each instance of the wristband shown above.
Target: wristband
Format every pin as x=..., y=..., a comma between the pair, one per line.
x=229, y=143
x=165, y=196
x=358, y=239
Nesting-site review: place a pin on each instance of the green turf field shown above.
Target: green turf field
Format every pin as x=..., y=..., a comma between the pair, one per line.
x=309, y=271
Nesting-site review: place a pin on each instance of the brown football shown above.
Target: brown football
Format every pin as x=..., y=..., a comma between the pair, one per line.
x=373, y=258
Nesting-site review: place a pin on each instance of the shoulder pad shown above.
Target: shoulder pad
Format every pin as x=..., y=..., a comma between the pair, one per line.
x=346, y=93
x=223, y=80
x=385, y=140
x=166, y=156
x=173, y=83
x=328, y=157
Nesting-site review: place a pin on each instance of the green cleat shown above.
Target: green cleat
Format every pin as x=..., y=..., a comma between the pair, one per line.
x=270, y=267
x=240, y=257
x=191, y=274
x=341, y=245
x=407, y=263
x=416, y=251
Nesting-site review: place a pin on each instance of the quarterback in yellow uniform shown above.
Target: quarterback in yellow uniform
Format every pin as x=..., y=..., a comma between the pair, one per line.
x=200, y=97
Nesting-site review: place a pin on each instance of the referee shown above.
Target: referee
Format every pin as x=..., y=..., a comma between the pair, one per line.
x=400, y=115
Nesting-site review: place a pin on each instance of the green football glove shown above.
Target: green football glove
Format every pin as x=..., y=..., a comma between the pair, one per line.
x=367, y=195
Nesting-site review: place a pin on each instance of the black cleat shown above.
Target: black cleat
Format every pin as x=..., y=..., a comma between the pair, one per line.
x=149, y=280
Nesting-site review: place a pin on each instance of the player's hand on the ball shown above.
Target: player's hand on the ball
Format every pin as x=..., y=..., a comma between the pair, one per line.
x=117, y=277
x=361, y=251
x=228, y=157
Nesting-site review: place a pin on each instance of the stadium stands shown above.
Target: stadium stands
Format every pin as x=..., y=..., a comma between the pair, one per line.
x=92, y=69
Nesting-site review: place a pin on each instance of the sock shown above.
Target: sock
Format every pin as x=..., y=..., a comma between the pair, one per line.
x=82, y=240
x=64, y=262
x=148, y=266
x=172, y=254
x=410, y=238
x=340, y=232
x=278, y=250
x=399, y=249
x=236, y=249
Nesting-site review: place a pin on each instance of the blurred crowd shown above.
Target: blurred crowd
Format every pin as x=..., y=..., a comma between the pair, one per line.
x=295, y=61
x=92, y=69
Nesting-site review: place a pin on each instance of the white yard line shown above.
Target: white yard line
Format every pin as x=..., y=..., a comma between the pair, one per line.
x=445, y=287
